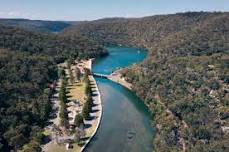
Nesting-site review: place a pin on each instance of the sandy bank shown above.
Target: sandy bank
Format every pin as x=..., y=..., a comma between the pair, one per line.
x=117, y=77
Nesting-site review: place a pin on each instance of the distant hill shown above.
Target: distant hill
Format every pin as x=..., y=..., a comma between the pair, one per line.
x=38, y=25
x=144, y=32
x=185, y=79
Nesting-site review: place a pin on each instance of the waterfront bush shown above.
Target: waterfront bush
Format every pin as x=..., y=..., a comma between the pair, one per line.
x=86, y=110
x=78, y=121
x=87, y=87
x=89, y=101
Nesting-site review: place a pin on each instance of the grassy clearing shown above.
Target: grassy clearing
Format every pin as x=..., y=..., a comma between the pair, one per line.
x=77, y=92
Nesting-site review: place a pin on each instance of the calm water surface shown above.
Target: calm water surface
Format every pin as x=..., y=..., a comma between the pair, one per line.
x=126, y=125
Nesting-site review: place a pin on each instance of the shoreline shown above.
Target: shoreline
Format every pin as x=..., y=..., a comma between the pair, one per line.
x=117, y=78
x=99, y=99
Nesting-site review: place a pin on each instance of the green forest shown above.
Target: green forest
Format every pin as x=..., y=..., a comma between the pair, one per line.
x=28, y=67
x=184, y=81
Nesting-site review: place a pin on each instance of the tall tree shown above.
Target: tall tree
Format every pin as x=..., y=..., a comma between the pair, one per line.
x=78, y=74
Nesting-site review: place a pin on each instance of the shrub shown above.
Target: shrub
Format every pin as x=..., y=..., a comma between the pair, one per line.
x=78, y=120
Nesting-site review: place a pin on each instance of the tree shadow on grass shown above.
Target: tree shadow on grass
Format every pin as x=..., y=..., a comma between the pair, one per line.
x=91, y=118
x=94, y=94
x=93, y=87
x=69, y=96
x=94, y=104
x=87, y=126
x=94, y=111
x=84, y=138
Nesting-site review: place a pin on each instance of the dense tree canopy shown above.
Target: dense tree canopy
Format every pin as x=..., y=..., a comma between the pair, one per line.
x=24, y=94
x=61, y=47
x=28, y=67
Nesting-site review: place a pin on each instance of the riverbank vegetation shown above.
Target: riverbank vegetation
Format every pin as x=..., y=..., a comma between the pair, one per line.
x=184, y=80
x=27, y=74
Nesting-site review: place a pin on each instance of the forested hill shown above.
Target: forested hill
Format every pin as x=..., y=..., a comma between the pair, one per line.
x=50, y=44
x=28, y=66
x=149, y=31
x=185, y=79
x=36, y=25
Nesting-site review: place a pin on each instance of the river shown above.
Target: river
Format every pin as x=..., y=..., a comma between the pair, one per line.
x=126, y=124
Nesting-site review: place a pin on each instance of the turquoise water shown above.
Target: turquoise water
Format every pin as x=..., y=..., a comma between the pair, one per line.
x=126, y=124
x=119, y=57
